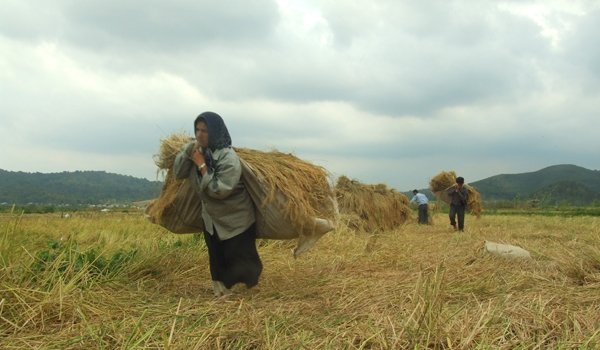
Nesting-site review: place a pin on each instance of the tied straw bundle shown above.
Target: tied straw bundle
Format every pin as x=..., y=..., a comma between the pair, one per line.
x=370, y=208
x=440, y=182
x=303, y=184
x=164, y=160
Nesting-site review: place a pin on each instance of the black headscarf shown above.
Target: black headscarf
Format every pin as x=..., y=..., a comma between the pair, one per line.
x=218, y=135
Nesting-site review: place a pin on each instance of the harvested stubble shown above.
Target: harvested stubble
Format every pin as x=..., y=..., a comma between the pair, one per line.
x=304, y=184
x=370, y=208
x=440, y=182
x=412, y=289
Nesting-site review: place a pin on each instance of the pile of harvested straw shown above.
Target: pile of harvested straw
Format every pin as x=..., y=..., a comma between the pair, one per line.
x=439, y=183
x=370, y=208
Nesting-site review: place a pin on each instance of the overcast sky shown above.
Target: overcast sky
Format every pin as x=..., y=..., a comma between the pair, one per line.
x=381, y=91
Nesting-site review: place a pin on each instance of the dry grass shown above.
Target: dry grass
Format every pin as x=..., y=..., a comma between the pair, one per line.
x=370, y=208
x=418, y=287
x=440, y=182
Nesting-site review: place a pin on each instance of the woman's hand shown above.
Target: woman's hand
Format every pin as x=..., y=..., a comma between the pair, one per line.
x=197, y=156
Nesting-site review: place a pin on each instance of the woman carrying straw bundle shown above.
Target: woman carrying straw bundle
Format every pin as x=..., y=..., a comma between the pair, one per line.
x=227, y=209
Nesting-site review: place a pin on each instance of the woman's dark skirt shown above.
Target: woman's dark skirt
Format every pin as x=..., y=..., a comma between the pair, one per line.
x=234, y=260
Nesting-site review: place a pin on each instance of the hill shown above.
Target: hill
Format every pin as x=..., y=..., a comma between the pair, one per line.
x=564, y=183
x=74, y=188
x=556, y=184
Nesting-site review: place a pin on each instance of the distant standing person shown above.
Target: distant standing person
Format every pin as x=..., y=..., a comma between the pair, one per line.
x=422, y=201
x=227, y=209
x=458, y=202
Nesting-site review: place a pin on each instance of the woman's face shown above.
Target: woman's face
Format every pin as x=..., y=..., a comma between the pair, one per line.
x=202, y=134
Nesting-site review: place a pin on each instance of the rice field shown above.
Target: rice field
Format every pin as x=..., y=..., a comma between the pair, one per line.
x=116, y=281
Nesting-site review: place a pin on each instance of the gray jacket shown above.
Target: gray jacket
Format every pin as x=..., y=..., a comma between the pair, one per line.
x=226, y=204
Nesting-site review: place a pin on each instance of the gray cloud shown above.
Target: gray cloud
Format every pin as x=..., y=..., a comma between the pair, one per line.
x=390, y=69
x=384, y=91
x=178, y=25
x=581, y=51
x=153, y=24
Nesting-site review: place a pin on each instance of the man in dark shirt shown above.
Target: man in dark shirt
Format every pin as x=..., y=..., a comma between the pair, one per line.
x=458, y=202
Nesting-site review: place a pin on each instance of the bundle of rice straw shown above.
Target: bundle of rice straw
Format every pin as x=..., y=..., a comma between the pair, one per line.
x=370, y=208
x=304, y=184
x=169, y=147
x=177, y=208
x=440, y=182
x=293, y=197
x=169, y=210
x=430, y=209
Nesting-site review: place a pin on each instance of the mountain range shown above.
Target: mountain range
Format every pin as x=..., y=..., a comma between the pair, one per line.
x=556, y=184
x=564, y=183
x=74, y=188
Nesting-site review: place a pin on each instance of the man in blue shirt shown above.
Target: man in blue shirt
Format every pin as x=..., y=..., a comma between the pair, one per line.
x=422, y=201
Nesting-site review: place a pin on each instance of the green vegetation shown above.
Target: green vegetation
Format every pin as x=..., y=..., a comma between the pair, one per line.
x=65, y=261
x=524, y=208
x=529, y=208
x=74, y=188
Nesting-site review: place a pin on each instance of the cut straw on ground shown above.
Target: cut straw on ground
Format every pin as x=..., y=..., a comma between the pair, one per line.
x=417, y=287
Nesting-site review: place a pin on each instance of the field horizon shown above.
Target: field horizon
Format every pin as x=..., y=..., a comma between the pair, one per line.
x=114, y=280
